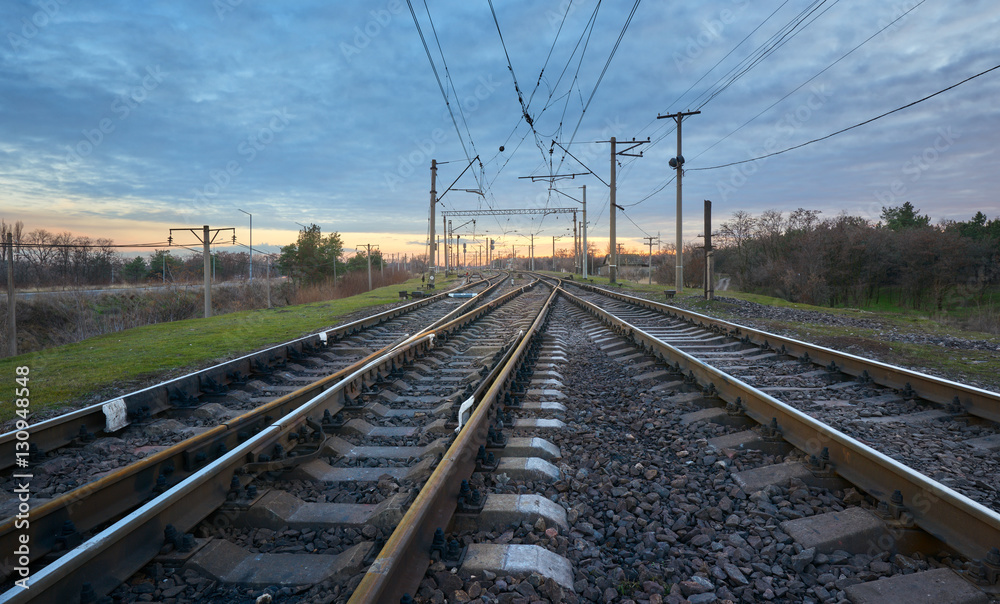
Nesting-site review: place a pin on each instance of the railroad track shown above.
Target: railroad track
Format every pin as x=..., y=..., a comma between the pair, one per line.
x=78, y=458
x=858, y=419
x=274, y=436
x=602, y=455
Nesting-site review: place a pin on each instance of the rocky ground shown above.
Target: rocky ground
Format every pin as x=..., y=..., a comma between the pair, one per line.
x=655, y=515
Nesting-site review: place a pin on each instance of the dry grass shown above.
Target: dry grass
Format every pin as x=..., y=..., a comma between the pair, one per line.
x=45, y=321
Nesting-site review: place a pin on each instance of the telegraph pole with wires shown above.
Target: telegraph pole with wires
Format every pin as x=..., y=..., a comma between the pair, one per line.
x=431, y=246
x=368, y=254
x=678, y=164
x=613, y=185
x=650, y=241
x=207, y=238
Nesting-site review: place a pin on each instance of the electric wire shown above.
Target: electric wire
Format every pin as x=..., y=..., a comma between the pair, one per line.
x=819, y=73
x=841, y=131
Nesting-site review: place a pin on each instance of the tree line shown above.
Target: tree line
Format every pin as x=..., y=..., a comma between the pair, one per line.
x=42, y=258
x=901, y=259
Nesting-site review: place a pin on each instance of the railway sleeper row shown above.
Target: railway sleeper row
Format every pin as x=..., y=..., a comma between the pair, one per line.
x=359, y=454
x=827, y=542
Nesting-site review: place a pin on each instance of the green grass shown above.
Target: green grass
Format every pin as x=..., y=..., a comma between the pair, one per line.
x=90, y=370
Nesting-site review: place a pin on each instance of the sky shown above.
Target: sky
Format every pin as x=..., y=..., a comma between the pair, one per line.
x=125, y=119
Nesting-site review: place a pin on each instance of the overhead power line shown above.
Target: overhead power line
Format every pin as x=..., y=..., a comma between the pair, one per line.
x=819, y=73
x=868, y=121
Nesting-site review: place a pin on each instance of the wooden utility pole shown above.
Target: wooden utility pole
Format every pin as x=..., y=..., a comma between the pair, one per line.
x=11, y=300
x=678, y=164
x=207, y=238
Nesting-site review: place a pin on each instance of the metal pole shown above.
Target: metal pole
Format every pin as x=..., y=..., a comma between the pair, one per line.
x=586, y=252
x=709, y=253
x=369, y=257
x=207, y=252
x=679, y=252
x=650, y=263
x=613, y=255
x=553, y=253
x=444, y=251
x=576, y=245
x=269, y=282
x=11, y=299
x=532, y=250
x=432, y=246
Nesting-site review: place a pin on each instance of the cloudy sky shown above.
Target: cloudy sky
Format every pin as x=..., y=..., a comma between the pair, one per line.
x=124, y=119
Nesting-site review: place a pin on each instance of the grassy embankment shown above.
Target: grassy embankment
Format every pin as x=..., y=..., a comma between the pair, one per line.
x=879, y=341
x=91, y=370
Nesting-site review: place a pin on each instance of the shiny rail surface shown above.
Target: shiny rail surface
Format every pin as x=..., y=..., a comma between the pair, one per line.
x=110, y=557
x=62, y=430
x=402, y=563
x=965, y=525
x=974, y=401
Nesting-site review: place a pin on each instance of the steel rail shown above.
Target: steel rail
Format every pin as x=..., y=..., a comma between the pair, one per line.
x=64, y=429
x=120, y=491
x=113, y=555
x=961, y=523
x=403, y=560
x=974, y=401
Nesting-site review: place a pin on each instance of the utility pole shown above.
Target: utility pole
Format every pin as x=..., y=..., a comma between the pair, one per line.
x=553, y=253
x=432, y=244
x=678, y=164
x=251, y=241
x=368, y=254
x=447, y=242
x=613, y=251
x=11, y=299
x=576, y=246
x=269, y=281
x=207, y=238
x=709, y=254
x=586, y=252
x=650, y=241
x=613, y=267
x=532, y=250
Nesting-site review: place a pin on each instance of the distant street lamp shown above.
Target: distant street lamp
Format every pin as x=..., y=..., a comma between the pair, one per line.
x=251, y=241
